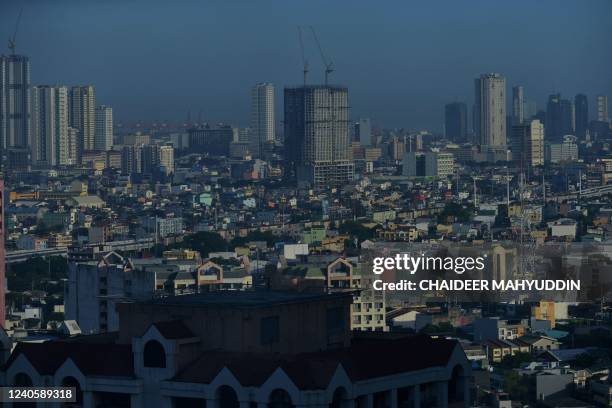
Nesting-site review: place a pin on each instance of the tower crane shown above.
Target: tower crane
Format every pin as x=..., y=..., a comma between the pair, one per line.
x=304, y=60
x=12, y=40
x=327, y=62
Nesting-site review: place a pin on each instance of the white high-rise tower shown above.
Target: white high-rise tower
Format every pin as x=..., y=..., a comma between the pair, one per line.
x=262, y=117
x=50, y=126
x=490, y=110
x=104, y=128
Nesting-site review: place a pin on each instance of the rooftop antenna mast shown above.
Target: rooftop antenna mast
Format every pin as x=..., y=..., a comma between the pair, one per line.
x=12, y=40
x=304, y=61
x=328, y=63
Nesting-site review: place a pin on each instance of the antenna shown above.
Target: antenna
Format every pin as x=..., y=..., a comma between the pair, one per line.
x=11, y=41
x=328, y=63
x=304, y=61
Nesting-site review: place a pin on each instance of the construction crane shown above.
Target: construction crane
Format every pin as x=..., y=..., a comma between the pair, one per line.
x=11, y=41
x=328, y=63
x=304, y=60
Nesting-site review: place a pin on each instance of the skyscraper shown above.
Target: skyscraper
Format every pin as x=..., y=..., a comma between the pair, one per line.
x=490, y=110
x=15, y=101
x=363, y=132
x=72, y=147
x=581, y=106
x=316, y=135
x=262, y=117
x=104, y=128
x=455, y=122
x=49, y=125
x=560, y=118
x=82, y=107
x=166, y=159
x=602, y=108
x=518, y=105
x=527, y=143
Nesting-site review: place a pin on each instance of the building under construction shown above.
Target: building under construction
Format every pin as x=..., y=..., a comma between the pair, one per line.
x=317, y=150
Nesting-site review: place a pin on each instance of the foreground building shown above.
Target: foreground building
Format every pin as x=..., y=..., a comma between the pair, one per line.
x=95, y=287
x=245, y=349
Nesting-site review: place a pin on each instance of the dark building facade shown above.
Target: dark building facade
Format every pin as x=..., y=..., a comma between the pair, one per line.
x=317, y=149
x=212, y=140
x=15, y=104
x=581, y=104
x=455, y=122
x=244, y=349
x=559, y=118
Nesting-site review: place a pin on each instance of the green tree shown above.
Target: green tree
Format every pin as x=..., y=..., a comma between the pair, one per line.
x=204, y=242
x=457, y=212
x=356, y=229
x=515, y=361
x=266, y=236
x=516, y=385
x=35, y=273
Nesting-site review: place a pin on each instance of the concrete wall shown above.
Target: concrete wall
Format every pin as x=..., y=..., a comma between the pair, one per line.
x=238, y=329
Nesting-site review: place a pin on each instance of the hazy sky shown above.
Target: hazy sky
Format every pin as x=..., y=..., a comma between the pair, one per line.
x=402, y=60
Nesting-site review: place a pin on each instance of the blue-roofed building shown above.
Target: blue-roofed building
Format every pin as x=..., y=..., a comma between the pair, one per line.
x=556, y=334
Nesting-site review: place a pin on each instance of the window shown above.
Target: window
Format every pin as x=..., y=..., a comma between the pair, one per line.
x=270, y=330
x=280, y=399
x=226, y=397
x=154, y=355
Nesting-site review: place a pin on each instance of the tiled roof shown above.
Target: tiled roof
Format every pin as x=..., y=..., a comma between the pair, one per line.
x=365, y=359
x=174, y=329
x=92, y=359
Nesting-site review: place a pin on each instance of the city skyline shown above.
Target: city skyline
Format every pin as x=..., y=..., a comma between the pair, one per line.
x=394, y=93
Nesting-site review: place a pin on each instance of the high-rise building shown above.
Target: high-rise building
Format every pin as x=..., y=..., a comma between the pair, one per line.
x=566, y=150
x=131, y=159
x=560, y=118
x=527, y=144
x=602, y=108
x=15, y=104
x=50, y=126
x=581, y=106
x=82, y=105
x=317, y=149
x=363, y=132
x=103, y=139
x=72, y=146
x=147, y=159
x=212, y=140
x=455, y=122
x=518, y=105
x=262, y=117
x=428, y=164
x=530, y=109
x=490, y=110
x=166, y=159
x=2, y=255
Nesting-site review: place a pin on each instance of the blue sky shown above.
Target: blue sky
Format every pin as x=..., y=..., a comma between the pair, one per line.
x=402, y=60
